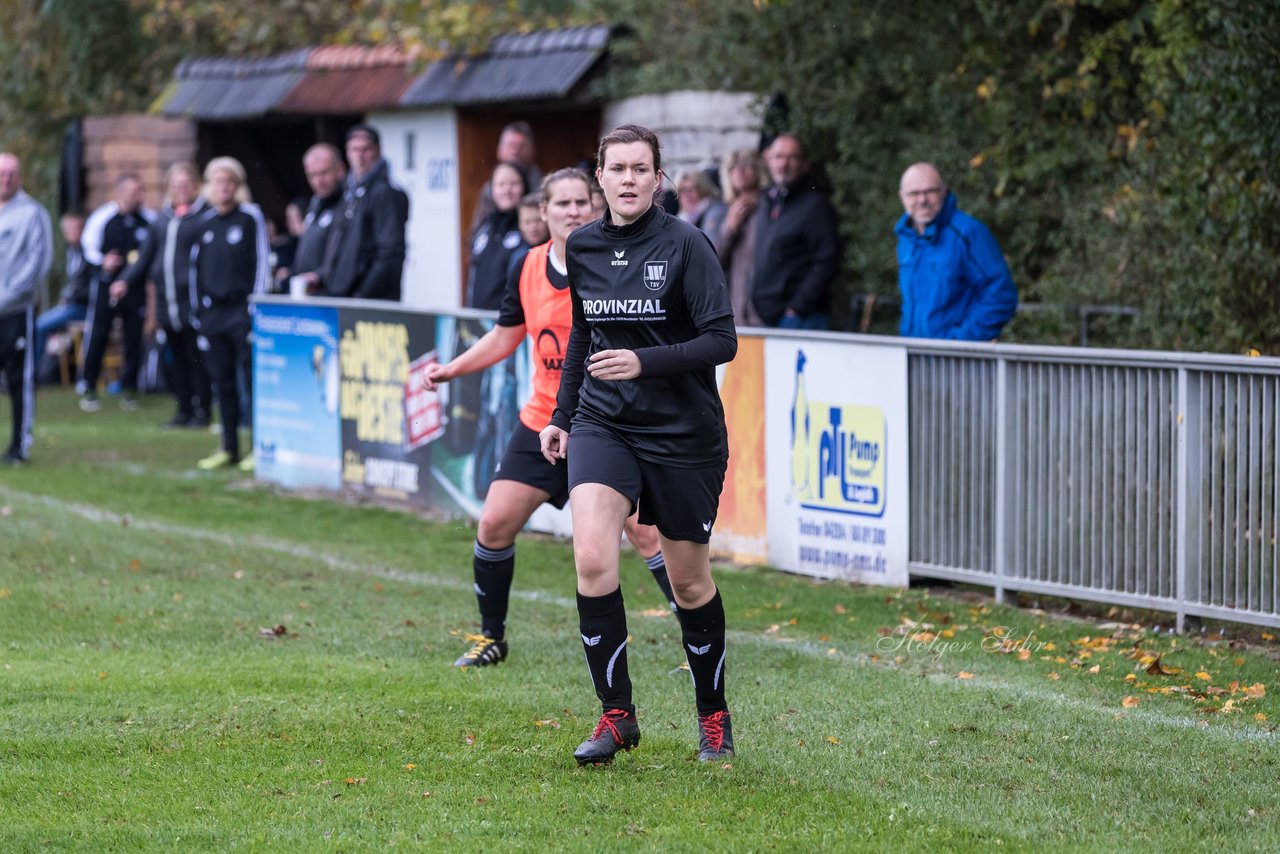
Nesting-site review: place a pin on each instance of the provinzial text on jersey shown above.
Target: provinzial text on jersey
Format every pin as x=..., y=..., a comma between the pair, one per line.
x=616, y=307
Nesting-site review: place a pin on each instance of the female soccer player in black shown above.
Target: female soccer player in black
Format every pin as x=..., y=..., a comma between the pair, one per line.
x=651, y=320
x=537, y=303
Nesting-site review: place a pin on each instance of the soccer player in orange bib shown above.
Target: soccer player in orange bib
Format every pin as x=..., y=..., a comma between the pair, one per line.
x=536, y=303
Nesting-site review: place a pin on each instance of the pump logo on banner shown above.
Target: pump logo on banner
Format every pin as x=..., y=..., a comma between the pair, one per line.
x=837, y=453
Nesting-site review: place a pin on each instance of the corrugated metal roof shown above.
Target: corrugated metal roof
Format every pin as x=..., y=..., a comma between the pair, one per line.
x=350, y=79
x=517, y=67
x=353, y=79
x=231, y=88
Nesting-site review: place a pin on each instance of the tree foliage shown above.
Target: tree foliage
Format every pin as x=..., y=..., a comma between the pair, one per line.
x=1124, y=152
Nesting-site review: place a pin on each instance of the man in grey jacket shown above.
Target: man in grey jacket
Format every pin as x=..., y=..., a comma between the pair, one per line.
x=26, y=253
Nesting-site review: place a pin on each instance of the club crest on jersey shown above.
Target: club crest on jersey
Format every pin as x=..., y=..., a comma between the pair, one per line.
x=655, y=274
x=235, y=234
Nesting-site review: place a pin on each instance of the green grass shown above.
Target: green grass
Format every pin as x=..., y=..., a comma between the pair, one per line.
x=141, y=707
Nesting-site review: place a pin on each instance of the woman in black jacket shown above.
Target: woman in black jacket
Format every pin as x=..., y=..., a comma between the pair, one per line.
x=496, y=238
x=229, y=261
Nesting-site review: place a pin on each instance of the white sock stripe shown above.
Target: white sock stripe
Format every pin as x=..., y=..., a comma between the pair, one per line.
x=655, y=561
x=608, y=673
x=494, y=554
x=715, y=683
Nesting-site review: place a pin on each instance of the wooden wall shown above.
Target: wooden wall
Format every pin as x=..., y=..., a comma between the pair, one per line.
x=130, y=142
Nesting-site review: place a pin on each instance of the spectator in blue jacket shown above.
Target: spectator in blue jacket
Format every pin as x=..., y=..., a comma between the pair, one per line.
x=954, y=280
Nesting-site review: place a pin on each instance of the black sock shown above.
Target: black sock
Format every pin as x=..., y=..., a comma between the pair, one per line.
x=659, y=569
x=702, y=631
x=603, y=624
x=493, y=569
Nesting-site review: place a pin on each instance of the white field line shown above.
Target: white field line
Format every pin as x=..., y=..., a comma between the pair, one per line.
x=807, y=648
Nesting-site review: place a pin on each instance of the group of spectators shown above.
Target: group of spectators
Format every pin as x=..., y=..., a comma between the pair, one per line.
x=183, y=275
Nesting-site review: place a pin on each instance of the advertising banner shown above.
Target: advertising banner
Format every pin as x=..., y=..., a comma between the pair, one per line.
x=740, y=525
x=836, y=426
x=296, y=383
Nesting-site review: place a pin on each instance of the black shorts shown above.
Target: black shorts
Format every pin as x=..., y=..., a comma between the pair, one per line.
x=681, y=502
x=523, y=462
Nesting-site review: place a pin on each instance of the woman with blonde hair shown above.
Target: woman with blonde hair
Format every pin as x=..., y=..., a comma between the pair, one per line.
x=699, y=202
x=742, y=176
x=229, y=262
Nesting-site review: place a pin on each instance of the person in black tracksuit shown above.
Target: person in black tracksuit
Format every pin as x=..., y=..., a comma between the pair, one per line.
x=229, y=261
x=326, y=175
x=496, y=238
x=364, y=250
x=112, y=237
x=638, y=398
x=164, y=267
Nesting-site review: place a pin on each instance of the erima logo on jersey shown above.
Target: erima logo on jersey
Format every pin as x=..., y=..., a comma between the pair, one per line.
x=699, y=650
x=595, y=641
x=618, y=260
x=614, y=307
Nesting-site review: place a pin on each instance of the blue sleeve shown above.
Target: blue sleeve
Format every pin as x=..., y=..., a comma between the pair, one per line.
x=997, y=299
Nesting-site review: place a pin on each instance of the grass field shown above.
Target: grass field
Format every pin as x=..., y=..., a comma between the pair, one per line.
x=148, y=702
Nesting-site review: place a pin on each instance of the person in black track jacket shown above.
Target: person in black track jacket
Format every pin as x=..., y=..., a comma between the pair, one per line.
x=364, y=251
x=163, y=269
x=112, y=236
x=229, y=261
x=638, y=399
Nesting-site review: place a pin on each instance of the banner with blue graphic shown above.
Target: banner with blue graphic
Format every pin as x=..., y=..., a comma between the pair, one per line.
x=836, y=430
x=296, y=381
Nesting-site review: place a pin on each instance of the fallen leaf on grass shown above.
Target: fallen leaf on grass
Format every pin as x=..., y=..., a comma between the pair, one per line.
x=135, y=565
x=1096, y=668
x=1156, y=668
x=964, y=674
x=833, y=739
x=1130, y=702
x=1024, y=654
x=356, y=781
x=773, y=630
x=551, y=722
x=839, y=609
x=1054, y=677
x=1202, y=675
x=5, y=592
x=656, y=612
x=1256, y=691
x=1259, y=717
x=1131, y=678
x=6, y=511
x=409, y=766
x=273, y=632
x=469, y=738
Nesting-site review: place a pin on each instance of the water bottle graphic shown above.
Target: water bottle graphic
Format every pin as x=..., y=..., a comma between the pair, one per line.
x=800, y=453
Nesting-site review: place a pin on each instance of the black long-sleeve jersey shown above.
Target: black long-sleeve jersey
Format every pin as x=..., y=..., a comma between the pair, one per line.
x=165, y=259
x=320, y=214
x=124, y=233
x=656, y=288
x=229, y=261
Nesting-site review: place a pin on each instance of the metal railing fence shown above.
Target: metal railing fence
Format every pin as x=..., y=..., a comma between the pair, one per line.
x=1136, y=478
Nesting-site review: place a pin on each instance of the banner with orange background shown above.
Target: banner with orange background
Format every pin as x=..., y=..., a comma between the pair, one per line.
x=740, y=526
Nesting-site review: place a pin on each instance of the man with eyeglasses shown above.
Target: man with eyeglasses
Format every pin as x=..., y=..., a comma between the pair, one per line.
x=954, y=280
